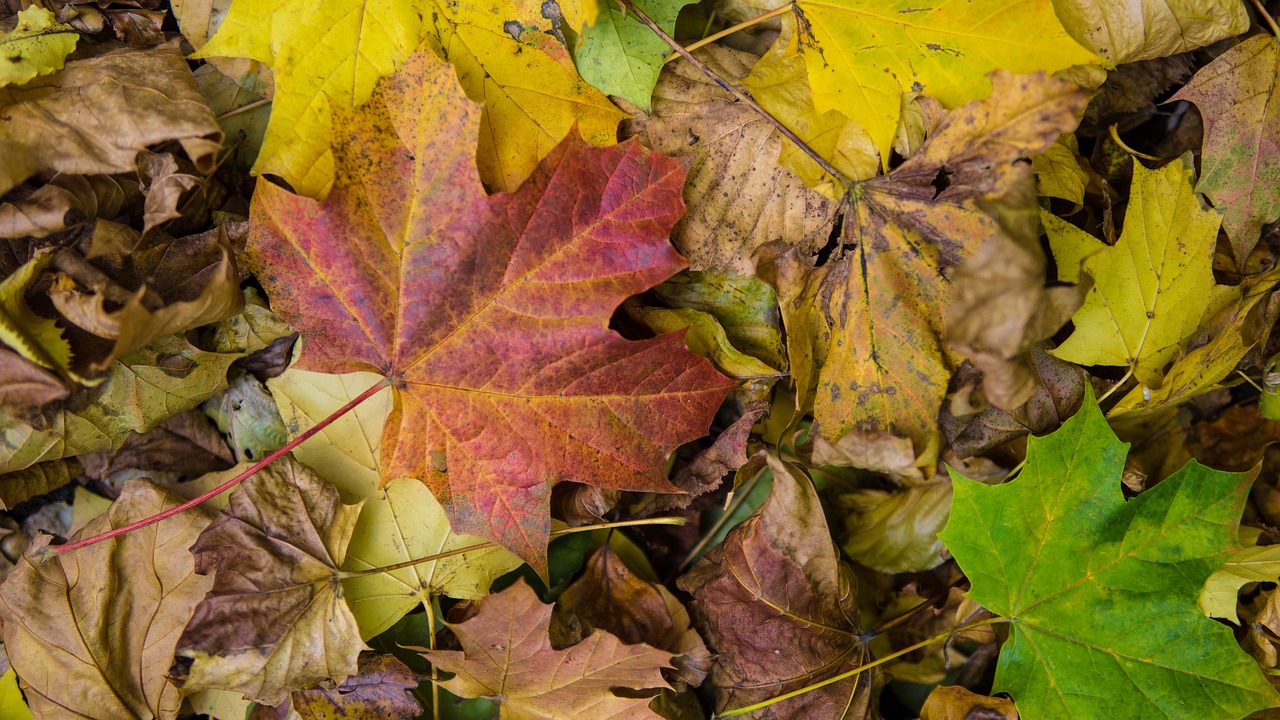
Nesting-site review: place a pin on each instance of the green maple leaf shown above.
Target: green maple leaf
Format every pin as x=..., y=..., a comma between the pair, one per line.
x=1101, y=593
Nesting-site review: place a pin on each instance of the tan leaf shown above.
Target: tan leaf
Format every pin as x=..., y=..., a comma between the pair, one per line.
x=95, y=115
x=738, y=197
x=507, y=654
x=92, y=633
x=1123, y=31
x=275, y=620
x=955, y=703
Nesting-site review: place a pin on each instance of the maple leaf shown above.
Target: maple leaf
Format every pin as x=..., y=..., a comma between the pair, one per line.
x=776, y=605
x=274, y=620
x=621, y=56
x=1101, y=593
x=865, y=332
x=863, y=55
x=738, y=197
x=93, y=634
x=490, y=314
x=507, y=655
x=37, y=46
x=1154, y=287
x=1240, y=170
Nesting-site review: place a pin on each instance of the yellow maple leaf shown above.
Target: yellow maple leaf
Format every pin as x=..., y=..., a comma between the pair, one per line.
x=1154, y=287
x=863, y=54
x=37, y=46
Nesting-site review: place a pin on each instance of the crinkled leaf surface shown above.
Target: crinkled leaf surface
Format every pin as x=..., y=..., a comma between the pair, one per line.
x=739, y=197
x=92, y=633
x=96, y=114
x=37, y=46
x=380, y=691
x=1126, y=32
x=865, y=332
x=490, y=314
x=507, y=654
x=776, y=605
x=1154, y=287
x=863, y=54
x=275, y=619
x=1101, y=593
x=1239, y=99
x=895, y=531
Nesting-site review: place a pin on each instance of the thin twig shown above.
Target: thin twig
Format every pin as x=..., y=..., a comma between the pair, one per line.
x=885, y=626
x=1271, y=22
x=1116, y=137
x=348, y=574
x=740, y=495
x=740, y=95
x=243, y=109
x=731, y=30
x=249, y=472
x=1118, y=384
x=862, y=668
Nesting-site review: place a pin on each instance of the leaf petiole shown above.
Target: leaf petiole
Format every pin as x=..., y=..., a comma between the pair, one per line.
x=861, y=668
x=249, y=472
x=731, y=30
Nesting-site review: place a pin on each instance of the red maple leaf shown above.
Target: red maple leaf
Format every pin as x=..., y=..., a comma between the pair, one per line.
x=490, y=314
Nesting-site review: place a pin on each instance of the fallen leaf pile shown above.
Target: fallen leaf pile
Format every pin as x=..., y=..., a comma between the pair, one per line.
x=593, y=359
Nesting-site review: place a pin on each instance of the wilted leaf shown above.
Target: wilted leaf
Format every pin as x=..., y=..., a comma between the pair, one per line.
x=707, y=469
x=1058, y=171
x=186, y=444
x=92, y=633
x=37, y=46
x=35, y=337
x=746, y=307
x=778, y=609
x=1240, y=169
x=248, y=416
x=865, y=332
x=621, y=56
x=491, y=313
x=1125, y=32
x=22, y=485
x=704, y=336
x=1101, y=593
x=738, y=197
x=66, y=201
x=955, y=703
x=1252, y=564
x=507, y=654
x=379, y=691
x=895, y=531
x=612, y=598
x=863, y=55
x=96, y=114
x=275, y=619
x=1154, y=287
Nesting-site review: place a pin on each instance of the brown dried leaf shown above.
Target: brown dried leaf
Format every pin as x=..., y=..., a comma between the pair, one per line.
x=611, y=597
x=507, y=654
x=25, y=385
x=92, y=633
x=275, y=620
x=381, y=691
x=955, y=703
x=777, y=606
x=66, y=201
x=737, y=194
x=708, y=468
x=95, y=115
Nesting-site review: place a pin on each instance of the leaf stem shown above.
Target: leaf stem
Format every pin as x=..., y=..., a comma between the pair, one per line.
x=885, y=626
x=861, y=668
x=739, y=94
x=740, y=496
x=1115, y=136
x=244, y=109
x=249, y=472
x=1271, y=22
x=348, y=574
x=731, y=30
x=1117, y=386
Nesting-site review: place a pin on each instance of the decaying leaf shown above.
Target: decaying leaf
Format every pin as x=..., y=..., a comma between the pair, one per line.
x=776, y=606
x=275, y=619
x=1250, y=564
x=507, y=655
x=895, y=531
x=1154, y=287
x=739, y=198
x=955, y=703
x=612, y=598
x=1100, y=592
x=92, y=633
x=865, y=332
x=1126, y=32
x=379, y=691
x=490, y=313
x=863, y=55
x=96, y=114
x=37, y=46
x=1237, y=95
x=746, y=307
